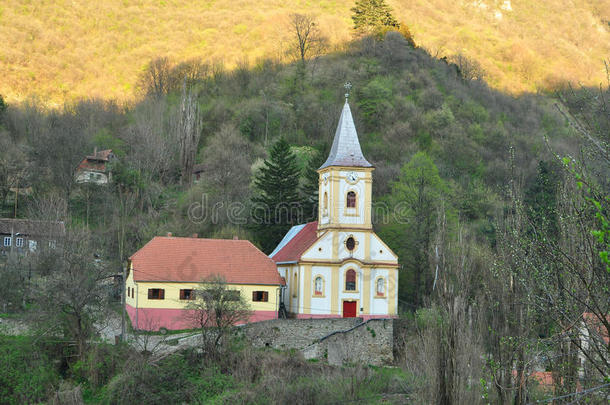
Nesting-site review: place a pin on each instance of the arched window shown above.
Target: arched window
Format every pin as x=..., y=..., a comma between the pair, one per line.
x=380, y=287
x=318, y=286
x=351, y=199
x=350, y=280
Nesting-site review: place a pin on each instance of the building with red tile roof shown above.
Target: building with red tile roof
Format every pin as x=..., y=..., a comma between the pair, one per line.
x=295, y=243
x=164, y=273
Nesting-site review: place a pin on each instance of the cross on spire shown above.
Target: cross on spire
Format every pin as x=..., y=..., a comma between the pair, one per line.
x=348, y=87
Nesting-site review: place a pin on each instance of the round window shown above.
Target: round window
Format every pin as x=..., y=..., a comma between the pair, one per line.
x=350, y=243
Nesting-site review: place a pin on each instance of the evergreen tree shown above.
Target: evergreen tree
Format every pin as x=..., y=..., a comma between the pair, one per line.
x=372, y=16
x=277, y=205
x=310, y=186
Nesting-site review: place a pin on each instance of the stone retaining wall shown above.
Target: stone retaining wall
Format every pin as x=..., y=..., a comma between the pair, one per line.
x=370, y=342
x=338, y=341
x=287, y=334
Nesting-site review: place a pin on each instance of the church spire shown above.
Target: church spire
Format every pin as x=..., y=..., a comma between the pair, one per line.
x=346, y=147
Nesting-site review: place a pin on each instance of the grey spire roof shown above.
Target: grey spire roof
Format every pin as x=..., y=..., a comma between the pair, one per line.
x=346, y=147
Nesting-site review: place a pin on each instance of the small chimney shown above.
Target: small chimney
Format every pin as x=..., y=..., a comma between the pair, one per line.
x=95, y=151
x=194, y=236
x=235, y=237
x=169, y=234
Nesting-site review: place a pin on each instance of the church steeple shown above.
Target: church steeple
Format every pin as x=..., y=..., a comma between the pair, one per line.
x=346, y=147
x=345, y=180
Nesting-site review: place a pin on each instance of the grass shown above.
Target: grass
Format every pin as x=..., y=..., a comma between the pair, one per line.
x=73, y=49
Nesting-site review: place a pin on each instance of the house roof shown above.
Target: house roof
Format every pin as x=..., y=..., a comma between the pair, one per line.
x=298, y=239
x=103, y=155
x=595, y=324
x=346, y=147
x=31, y=227
x=96, y=165
x=97, y=161
x=193, y=260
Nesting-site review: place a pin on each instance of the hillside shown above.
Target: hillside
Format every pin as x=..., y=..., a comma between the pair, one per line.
x=499, y=241
x=71, y=49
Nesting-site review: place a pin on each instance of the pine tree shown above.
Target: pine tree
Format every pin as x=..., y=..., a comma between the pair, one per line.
x=277, y=205
x=372, y=16
x=310, y=187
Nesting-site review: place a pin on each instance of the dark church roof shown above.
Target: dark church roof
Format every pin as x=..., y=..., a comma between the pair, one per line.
x=346, y=147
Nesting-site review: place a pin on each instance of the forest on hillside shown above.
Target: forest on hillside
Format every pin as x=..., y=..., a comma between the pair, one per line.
x=497, y=206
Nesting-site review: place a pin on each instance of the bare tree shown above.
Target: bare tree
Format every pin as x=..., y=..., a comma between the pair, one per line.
x=228, y=158
x=147, y=343
x=13, y=165
x=574, y=286
x=215, y=310
x=50, y=207
x=458, y=263
x=308, y=40
x=74, y=293
x=467, y=69
x=192, y=71
x=156, y=79
x=154, y=153
x=56, y=151
x=188, y=132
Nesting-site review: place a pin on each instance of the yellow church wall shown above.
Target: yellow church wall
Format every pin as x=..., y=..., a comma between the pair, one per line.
x=334, y=297
x=368, y=184
x=308, y=279
x=392, y=284
x=366, y=292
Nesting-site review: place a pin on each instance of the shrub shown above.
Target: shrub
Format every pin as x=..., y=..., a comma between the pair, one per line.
x=26, y=374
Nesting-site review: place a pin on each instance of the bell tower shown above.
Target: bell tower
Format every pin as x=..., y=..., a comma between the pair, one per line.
x=345, y=186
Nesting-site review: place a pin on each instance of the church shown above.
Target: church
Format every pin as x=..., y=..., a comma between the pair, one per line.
x=337, y=266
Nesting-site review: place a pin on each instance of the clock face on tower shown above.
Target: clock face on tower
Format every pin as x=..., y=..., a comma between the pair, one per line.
x=352, y=177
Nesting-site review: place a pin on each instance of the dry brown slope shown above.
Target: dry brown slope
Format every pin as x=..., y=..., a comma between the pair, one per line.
x=64, y=49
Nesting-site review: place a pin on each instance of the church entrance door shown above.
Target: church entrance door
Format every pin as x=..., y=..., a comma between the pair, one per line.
x=349, y=309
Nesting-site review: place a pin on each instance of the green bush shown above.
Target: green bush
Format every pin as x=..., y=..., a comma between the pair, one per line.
x=27, y=374
x=180, y=378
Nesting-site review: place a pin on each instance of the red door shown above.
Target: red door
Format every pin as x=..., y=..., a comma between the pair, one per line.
x=349, y=309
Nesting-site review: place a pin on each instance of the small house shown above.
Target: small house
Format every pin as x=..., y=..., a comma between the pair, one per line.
x=94, y=168
x=165, y=273
x=25, y=235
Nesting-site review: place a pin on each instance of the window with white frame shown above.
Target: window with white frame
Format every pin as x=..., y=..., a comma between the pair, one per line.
x=19, y=242
x=7, y=241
